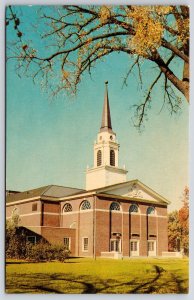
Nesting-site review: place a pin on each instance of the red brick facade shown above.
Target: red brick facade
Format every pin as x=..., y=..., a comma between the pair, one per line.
x=94, y=224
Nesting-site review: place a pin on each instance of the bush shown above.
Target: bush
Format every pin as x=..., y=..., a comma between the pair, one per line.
x=45, y=252
x=15, y=242
x=17, y=246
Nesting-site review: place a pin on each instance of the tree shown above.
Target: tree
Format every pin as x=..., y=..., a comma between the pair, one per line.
x=178, y=226
x=15, y=239
x=84, y=35
x=184, y=220
x=174, y=232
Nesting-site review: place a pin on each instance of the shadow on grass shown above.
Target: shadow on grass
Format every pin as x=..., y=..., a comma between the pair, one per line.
x=61, y=283
x=22, y=262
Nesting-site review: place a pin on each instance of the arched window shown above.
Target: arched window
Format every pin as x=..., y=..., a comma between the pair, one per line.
x=133, y=208
x=115, y=206
x=85, y=205
x=67, y=207
x=99, y=158
x=112, y=157
x=151, y=211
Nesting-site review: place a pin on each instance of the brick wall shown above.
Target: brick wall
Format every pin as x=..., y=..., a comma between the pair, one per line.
x=28, y=217
x=56, y=236
x=50, y=214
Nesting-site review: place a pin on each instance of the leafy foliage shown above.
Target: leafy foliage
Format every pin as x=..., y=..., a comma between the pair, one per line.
x=178, y=226
x=45, y=252
x=18, y=247
x=77, y=37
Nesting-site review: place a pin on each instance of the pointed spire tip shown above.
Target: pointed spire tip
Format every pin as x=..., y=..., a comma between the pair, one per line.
x=106, y=118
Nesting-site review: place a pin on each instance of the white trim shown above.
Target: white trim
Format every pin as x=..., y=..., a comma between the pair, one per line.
x=119, y=244
x=152, y=252
x=77, y=211
x=25, y=215
x=51, y=213
x=22, y=201
x=88, y=210
x=38, y=226
x=134, y=253
x=36, y=213
x=108, y=210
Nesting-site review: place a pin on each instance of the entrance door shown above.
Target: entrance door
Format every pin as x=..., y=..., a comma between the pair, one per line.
x=134, y=248
x=151, y=248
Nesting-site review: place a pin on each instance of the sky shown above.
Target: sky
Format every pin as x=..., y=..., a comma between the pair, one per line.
x=51, y=141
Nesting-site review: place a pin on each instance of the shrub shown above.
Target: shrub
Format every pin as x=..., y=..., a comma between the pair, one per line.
x=45, y=252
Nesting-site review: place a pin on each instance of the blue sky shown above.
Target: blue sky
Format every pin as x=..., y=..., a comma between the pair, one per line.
x=51, y=141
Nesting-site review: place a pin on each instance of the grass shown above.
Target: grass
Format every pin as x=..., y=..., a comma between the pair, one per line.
x=88, y=276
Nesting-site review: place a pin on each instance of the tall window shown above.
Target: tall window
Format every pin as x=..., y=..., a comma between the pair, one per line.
x=151, y=246
x=151, y=211
x=67, y=207
x=115, y=206
x=115, y=245
x=112, y=157
x=133, y=208
x=85, y=205
x=67, y=243
x=85, y=244
x=133, y=245
x=99, y=158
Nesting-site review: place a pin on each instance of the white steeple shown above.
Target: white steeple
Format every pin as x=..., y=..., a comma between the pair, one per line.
x=106, y=151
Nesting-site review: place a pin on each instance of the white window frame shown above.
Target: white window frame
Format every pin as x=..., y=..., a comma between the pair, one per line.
x=83, y=244
x=67, y=237
x=134, y=252
x=151, y=252
x=119, y=245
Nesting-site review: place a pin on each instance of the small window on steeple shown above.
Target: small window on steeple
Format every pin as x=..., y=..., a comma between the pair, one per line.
x=99, y=158
x=112, y=157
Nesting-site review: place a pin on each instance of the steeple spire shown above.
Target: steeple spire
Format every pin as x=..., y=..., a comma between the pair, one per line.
x=106, y=119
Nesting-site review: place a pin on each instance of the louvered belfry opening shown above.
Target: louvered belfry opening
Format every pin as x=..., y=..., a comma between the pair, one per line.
x=112, y=157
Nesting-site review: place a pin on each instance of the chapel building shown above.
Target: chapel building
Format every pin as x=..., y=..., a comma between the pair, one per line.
x=112, y=217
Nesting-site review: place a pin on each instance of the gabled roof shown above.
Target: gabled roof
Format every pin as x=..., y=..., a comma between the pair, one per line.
x=53, y=191
x=107, y=190
x=60, y=193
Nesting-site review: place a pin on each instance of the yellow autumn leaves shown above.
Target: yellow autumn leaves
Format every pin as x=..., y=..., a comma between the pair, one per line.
x=104, y=14
x=148, y=36
x=148, y=29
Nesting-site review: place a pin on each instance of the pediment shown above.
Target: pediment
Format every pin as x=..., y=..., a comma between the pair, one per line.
x=135, y=190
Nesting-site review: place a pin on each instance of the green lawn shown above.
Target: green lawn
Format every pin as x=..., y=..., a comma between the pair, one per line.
x=83, y=275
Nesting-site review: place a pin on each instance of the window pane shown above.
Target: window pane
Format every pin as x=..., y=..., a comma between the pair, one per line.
x=67, y=243
x=116, y=245
x=150, y=211
x=115, y=206
x=85, y=244
x=133, y=208
x=112, y=246
x=134, y=246
x=31, y=239
x=150, y=246
x=85, y=205
x=67, y=207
